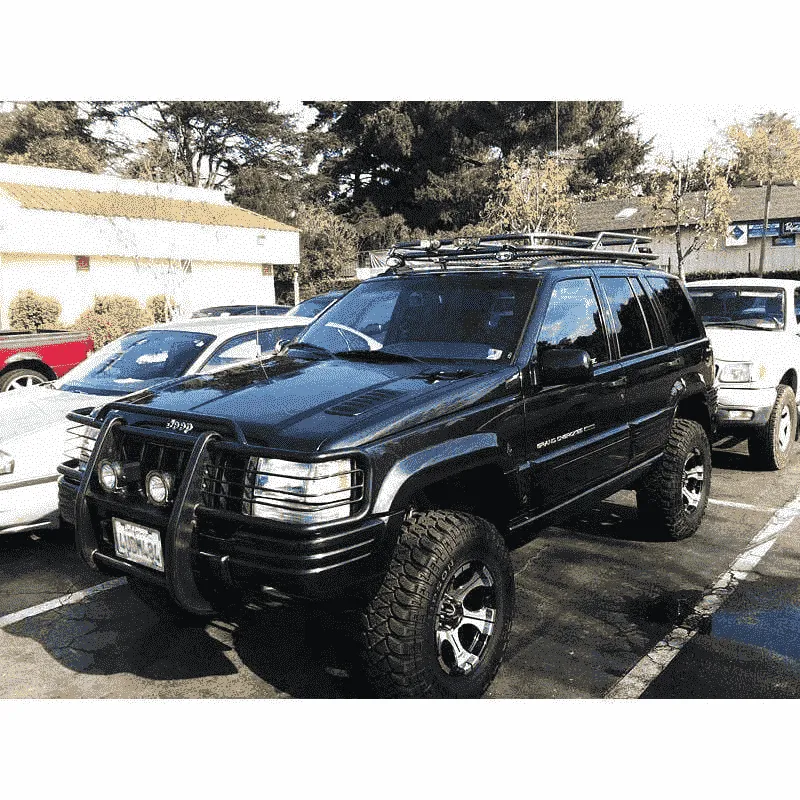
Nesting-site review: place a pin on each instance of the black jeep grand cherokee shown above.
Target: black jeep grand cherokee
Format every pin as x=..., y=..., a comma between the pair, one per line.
x=476, y=389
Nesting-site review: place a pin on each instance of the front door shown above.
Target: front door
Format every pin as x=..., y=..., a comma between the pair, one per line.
x=577, y=434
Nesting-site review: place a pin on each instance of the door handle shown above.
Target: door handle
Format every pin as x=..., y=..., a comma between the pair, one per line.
x=618, y=383
x=676, y=362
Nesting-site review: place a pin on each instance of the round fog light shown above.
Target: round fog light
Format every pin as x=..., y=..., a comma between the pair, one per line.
x=158, y=487
x=108, y=473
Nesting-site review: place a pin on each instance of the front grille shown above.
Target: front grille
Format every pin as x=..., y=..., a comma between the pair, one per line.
x=131, y=447
x=225, y=483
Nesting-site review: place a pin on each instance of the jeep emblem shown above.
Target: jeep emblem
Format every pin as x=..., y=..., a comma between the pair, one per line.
x=180, y=425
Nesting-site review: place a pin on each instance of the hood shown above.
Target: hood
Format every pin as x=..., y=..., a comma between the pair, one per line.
x=25, y=411
x=737, y=344
x=295, y=404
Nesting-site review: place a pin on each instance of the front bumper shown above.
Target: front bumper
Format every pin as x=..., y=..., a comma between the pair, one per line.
x=29, y=505
x=744, y=408
x=208, y=552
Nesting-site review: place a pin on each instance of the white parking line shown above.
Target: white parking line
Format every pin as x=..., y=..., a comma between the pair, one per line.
x=64, y=600
x=635, y=682
x=748, y=506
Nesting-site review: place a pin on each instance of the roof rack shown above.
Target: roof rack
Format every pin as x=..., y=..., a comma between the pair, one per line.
x=519, y=250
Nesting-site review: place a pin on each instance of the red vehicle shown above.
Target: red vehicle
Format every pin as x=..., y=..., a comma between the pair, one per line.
x=27, y=359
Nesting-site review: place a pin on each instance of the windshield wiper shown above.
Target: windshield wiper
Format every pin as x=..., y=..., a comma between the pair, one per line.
x=376, y=355
x=311, y=348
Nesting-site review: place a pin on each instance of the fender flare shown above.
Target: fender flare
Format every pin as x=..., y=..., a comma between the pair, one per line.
x=449, y=458
x=23, y=356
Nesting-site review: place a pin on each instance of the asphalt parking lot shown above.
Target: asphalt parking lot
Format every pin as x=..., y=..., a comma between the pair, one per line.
x=598, y=605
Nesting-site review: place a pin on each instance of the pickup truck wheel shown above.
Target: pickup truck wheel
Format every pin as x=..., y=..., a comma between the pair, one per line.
x=21, y=379
x=439, y=624
x=674, y=494
x=771, y=446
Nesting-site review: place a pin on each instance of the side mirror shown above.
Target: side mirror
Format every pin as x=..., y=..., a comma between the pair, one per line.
x=564, y=365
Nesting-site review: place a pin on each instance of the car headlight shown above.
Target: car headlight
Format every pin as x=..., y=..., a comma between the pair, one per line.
x=290, y=491
x=80, y=443
x=6, y=463
x=736, y=372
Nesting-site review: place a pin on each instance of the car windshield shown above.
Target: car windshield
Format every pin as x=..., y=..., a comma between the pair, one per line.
x=740, y=306
x=450, y=316
x=136, y=361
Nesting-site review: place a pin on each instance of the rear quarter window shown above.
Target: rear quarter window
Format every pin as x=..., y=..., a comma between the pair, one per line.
x=676, y=309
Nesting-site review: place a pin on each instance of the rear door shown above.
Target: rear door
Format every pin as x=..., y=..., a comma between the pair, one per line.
x=577, y=434
x=649, y=364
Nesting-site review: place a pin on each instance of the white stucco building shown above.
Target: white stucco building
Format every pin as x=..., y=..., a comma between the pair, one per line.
x=73, y=236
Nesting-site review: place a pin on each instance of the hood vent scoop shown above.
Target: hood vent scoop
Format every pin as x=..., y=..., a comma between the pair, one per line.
x=363, y=402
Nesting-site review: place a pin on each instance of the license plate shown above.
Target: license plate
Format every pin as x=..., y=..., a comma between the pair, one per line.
x=138, y=544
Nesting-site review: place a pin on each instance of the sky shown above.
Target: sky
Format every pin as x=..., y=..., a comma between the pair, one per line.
x=686, y=128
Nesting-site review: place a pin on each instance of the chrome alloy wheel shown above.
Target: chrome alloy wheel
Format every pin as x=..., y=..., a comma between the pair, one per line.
x=465, y=618
x=24, y=381
x=693, y=479
x=785, y=429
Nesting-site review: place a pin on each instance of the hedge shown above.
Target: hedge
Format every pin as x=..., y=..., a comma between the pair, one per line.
x=30, y=311
x=112, y=316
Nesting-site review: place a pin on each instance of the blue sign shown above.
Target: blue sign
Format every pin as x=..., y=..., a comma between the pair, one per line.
x=737, y=232
x=784, y=241
x=791, y=226
x=756, y=229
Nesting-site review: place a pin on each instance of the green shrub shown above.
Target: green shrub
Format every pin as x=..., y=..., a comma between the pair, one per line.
x=110, y=317
x=29, y=311
x=160, y=308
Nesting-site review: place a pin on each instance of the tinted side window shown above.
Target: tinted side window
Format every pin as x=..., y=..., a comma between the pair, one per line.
x=267, y=339
x=626, y=316
x=573, y=319
x=656, y=333
x=797, y=304
x=678, y=313
x=240, y=348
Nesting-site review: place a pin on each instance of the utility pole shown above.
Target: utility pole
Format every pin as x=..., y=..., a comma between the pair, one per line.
x=762, y=253
x=557, y=148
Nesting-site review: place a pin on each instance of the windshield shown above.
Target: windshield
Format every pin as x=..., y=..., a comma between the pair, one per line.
x=136, y=361
x=740, y=306
x=443, y=316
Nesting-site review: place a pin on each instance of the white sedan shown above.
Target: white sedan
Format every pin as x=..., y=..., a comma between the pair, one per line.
x=33, y=423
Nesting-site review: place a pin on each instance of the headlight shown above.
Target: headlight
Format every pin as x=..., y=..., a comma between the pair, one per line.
x=304, y=493
x=736, y=372
x=6, y=463
x=80, y=443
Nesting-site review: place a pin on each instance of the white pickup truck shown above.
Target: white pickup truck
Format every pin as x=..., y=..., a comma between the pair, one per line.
x=753, y=327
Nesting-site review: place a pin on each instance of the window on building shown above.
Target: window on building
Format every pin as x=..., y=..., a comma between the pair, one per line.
x=82, y=263
x=267, y=270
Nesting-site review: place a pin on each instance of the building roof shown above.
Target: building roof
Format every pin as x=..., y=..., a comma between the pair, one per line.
x=136, y=206
x=636, y=213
